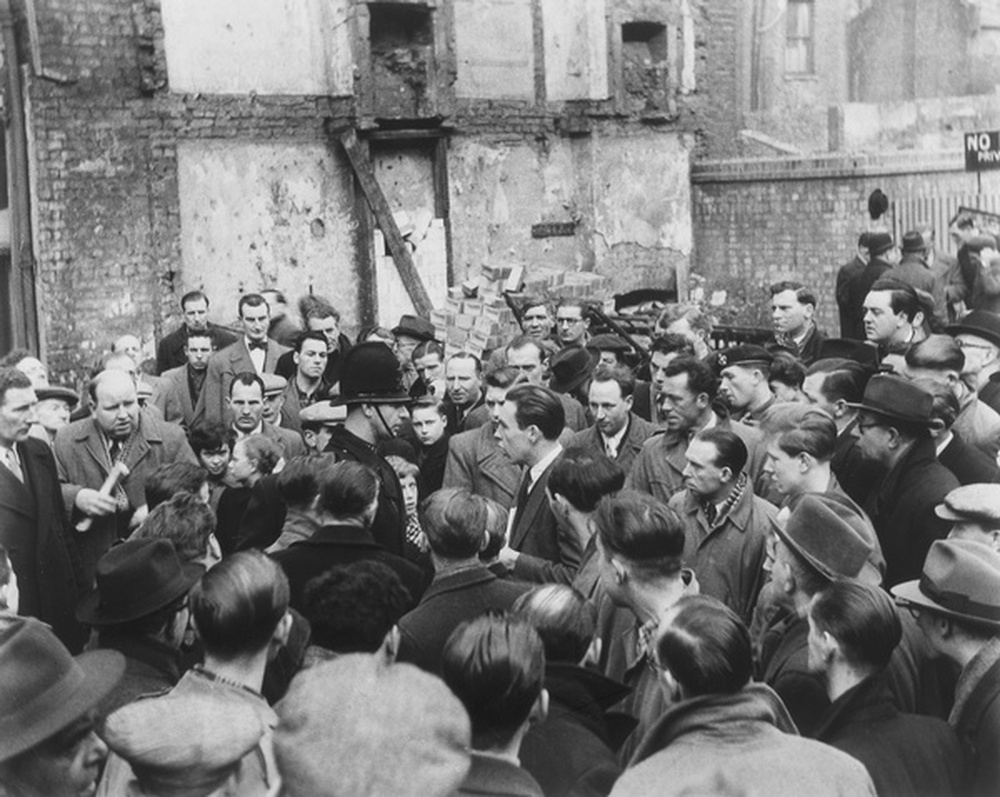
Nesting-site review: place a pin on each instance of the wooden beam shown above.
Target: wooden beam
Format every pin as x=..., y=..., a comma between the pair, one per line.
x=398, y=248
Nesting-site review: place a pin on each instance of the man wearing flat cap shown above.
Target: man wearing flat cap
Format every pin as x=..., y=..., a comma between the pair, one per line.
x=956, y=601
x=408, y=333
x=822, y=541
x=744, y=371
x=974, y=512
x=978, y=336
x=895, y=420
x=48, y=702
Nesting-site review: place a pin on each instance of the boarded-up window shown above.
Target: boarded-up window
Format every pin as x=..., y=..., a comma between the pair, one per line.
x=799, y=21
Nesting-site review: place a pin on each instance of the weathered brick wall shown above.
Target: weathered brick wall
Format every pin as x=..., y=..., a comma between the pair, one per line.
x=760, y=222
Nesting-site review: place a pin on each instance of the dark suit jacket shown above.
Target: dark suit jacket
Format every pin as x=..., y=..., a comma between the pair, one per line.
x=33, y=531
x=450, y=600
x=432, y=461
x=855, y=291
x=784, y=667
x=536, y=532
x=903, y=753
x=170, y=351
x=494, y=777
x=173, y=397
x=289, y=442
x=83, y=461
x=222, y=367
x=477, y=464
x=342, y=545
x=849, y=319
x=969, y=464
x=639, y=431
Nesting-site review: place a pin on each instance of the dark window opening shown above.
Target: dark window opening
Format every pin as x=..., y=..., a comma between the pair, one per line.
x=644, y=65
x=401, y=37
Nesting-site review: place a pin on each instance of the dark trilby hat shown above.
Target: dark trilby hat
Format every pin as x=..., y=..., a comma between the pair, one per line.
x=897, y=398
x=607, y=342
x=414, y=327
x=913, y=241
x=981, y=323
x=879, y=243
x=371, y=375
x=570, y=368
x=828, y=534
x=57, y=392
x=960, y=579
x=134, y=580
x=744, y=354
x=44, y=689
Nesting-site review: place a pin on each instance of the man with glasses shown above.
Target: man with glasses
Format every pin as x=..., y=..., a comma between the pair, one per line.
x=572, y=323
x=978, y=335
x=894, y=426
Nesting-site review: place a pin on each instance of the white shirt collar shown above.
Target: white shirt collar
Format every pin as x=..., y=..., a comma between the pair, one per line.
x=615, y=441
x=539, y=467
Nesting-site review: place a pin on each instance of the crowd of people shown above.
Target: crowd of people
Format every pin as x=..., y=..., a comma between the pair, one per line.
x=273, y=560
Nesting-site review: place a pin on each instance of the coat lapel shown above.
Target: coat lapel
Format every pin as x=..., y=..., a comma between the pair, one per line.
x=536, y=498
x=13, y=494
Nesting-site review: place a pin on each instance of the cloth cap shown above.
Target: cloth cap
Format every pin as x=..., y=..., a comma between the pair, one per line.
x=981, y=323
x=606, y=342
x=879, y=243
x=827, y=533
x=974, y=503
x=134, y=580
x=44, y=689
x=143, y=390
x=273, y=384
x=371, y=375
x=913, y=241
x=960, y=579
x=184, y=744
x=356, y=725
x=57, y=392
x=897, y=398
x=414, y=327
x=570, y=368
x=323, y=412
x=746, y=354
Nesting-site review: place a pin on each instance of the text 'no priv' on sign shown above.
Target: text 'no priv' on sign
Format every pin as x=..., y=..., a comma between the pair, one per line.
x=982, y=151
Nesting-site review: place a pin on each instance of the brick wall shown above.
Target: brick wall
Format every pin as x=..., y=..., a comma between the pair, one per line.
x=758, y=222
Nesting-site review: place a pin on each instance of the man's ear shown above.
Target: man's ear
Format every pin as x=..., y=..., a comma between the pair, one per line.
x=389, y=649
x=284, y=629
x=540, y=710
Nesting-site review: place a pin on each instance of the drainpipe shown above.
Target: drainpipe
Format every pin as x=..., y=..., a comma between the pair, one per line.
x=24, y=318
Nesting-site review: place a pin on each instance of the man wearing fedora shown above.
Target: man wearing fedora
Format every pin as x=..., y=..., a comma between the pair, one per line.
x=139, y=608
x=571, y=368
x=410, y=331
x=32, y=521
x=914, y=269
x=978, y=336
x=48, y=701
x=371, y=388
x=894, y=425
x=820, y=543
x=956, y=601
x=254, y=352
x=617, y=432
x=53, y=411
x=745, y=387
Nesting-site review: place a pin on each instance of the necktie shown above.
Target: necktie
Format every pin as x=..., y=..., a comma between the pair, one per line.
x=710, y=512
x=522, y=499
x=114, y=450
x=257, y=344
x=10, y=460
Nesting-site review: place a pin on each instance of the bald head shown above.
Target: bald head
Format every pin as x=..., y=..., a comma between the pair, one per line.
x=127, y=344
x=116, y=407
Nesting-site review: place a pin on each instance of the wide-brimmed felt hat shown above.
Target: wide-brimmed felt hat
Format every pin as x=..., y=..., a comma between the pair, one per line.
x=570, y=368
x=981, y=323
x=44, y=689
x=183, y=744
x=134, y=580
x=57, y=392
x=415, y=327
x=913, y=242
x=898, y=399
x=972, y=503
x=608, y=342
x=827, y=533
x=371, y=375
x=744, y=354
x=960, y=579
